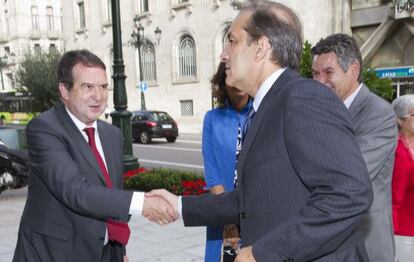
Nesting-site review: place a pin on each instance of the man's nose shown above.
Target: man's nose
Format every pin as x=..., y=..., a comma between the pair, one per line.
x=224, y=55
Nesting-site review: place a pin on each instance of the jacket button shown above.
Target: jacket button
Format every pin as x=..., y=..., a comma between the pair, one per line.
x=242, y=215
x=289, y=259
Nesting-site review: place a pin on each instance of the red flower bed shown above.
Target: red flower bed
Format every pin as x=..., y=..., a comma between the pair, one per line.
x=194, y=187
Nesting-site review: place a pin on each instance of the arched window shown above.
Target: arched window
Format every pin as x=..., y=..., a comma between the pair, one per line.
x=149, y=70
x=187, y=62
x=49, y=18
x=35, y=18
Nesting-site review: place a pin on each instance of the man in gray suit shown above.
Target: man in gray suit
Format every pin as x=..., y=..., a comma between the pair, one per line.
x=303, y=184
x=337, y=63
x=76, y=209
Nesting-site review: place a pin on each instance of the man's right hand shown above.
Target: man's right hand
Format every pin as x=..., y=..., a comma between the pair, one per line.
x=167, y=196
x=158, y=210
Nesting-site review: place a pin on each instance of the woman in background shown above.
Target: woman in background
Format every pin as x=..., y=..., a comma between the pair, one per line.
x=403, y=180
x=221, y=137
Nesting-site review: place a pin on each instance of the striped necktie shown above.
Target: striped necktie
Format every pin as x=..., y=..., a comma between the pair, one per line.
x=249, y=119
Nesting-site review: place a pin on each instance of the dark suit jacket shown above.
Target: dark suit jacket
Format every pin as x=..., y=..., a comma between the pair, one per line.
x=68, y=203
x=303, y=184
x=376, y=132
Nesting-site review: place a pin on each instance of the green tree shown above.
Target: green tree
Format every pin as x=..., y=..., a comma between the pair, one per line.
x=380, y=86
x=36, y=75
x=306, y=60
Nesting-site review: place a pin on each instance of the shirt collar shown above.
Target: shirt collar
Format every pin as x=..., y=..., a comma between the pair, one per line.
x=348, y=101
x=79, y=124
x=265, y=87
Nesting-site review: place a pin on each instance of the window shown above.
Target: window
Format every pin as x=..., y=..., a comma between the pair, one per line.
x=37, y=48
x=35, y=18
x=182, y=1
x=187, y=57
x=49, y=18
x=109, y=9
x=52, y=48
x=144, y=6
x=186, y=107
x=149, y=72
x=81, y=7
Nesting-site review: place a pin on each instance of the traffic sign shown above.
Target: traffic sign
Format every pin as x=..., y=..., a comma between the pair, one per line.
x=143, y=86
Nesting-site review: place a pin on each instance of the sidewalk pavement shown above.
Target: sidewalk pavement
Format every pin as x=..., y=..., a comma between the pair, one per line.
x=148, y=242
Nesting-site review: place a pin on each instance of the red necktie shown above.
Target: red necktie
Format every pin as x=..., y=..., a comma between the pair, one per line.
x=117, y=231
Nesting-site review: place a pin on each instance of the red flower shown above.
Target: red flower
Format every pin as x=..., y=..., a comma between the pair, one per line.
x=134, y=172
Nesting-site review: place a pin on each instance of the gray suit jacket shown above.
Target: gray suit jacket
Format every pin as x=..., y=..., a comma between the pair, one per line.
x=68, y=203
x=376, y=131
x=303, y=184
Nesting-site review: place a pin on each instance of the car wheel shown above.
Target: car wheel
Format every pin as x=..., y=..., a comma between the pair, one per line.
x=171, y=139
x=144, y=138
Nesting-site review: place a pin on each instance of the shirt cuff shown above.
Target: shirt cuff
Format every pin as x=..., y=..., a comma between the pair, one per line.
x=180, y=206
x=137, y=203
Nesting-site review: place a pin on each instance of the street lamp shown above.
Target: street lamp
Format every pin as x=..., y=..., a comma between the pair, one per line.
x=138, y=40
x=2, y=64
x=121, y=117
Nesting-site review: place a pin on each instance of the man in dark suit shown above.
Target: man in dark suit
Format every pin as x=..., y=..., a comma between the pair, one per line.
x=76, y=209
x=303, y=184
x=337, y=63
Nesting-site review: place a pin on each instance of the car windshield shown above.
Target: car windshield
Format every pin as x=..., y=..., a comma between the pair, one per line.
x=160, y=116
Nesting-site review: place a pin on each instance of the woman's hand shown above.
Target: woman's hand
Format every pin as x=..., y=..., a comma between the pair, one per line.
x=231, y=236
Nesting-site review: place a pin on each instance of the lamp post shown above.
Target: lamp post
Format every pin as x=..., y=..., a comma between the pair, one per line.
x=138, y=41
x=121, y=117
x=3, y=64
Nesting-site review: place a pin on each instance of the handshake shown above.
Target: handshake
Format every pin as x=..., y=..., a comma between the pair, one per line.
x=160, y=206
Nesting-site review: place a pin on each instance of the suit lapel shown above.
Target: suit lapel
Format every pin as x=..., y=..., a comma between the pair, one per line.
x=358, y=102
x=259, y=116
x=105, y=138
x=77, y=139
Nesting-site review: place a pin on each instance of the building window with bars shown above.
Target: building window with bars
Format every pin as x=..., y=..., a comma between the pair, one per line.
x=49, y=18
x=187, y=62
x=186, y=107
x=35, y=18
x=109, y=10
x=81, y=8
x=148, y=62
x=37, y=49
x=143, y=6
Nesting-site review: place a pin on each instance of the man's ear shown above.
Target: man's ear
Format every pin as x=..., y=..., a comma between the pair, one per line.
x=64, y=92
x=262, y=48
x=354, y=69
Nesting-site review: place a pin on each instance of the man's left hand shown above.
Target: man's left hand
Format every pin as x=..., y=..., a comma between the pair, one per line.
x=245, y=255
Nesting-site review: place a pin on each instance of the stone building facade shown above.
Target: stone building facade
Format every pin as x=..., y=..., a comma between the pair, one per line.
x=26, y=26
x=178, y=65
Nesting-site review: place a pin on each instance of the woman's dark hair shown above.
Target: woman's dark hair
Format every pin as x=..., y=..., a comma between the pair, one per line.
x=218, y=85
x=71, y=59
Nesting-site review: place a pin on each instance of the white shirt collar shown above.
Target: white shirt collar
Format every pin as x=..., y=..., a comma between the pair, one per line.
x=265, y=87
x=79, y=124
x=348, y=101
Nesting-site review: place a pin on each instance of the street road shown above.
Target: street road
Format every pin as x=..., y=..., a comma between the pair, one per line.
x=184, y=154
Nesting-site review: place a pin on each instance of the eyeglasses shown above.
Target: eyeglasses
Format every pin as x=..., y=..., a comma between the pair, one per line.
x=409, y=115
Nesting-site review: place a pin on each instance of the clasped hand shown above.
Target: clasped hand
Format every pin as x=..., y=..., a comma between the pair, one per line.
x=160, y=206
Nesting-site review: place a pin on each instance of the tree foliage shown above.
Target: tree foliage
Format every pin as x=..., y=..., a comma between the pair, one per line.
x=36, y=75
x=380, y=86
x=306, y=60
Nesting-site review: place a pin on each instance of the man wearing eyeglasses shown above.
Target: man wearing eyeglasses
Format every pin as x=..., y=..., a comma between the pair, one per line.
x=337, y=63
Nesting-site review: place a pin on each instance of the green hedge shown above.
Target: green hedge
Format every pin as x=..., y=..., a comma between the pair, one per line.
x=176, y=181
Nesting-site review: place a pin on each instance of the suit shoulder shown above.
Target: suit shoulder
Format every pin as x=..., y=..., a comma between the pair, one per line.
x=378, y=106
x=109, y=127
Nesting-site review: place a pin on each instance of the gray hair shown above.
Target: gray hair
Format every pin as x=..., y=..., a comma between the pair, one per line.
x=281, y=26
x=402, y=104
x=344, y=47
